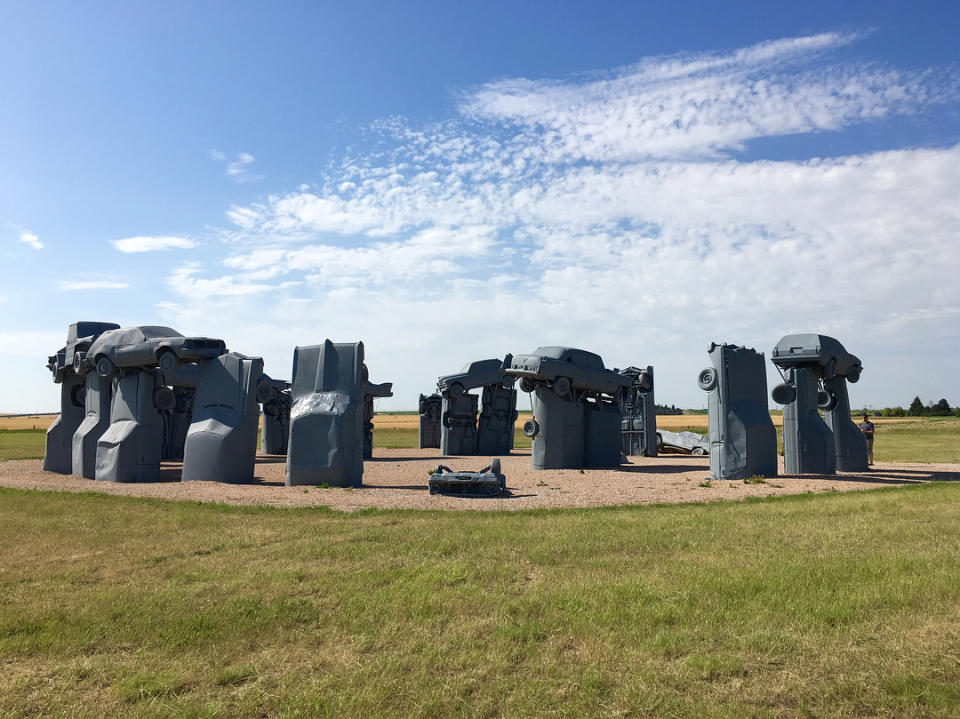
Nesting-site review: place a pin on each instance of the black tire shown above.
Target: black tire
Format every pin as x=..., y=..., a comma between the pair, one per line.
x=562, y=386
x=531, y=428
x=659, y=442
x=78, y=396
x=264, y=392
x=707, y=379
x=105, y=366
x=698, y=451
x=78, y=358
x=853, y=374
x=164, y=399
x=826, y=400
x=527, y=384
x=271, y=408
x=456, y=390
x=495, y=466
x=784, y=393
x=167, y=361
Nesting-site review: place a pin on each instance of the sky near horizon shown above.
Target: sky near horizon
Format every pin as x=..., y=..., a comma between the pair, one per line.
x=455, y=181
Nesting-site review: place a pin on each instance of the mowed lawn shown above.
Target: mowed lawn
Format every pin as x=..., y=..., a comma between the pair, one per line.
x=827, y=605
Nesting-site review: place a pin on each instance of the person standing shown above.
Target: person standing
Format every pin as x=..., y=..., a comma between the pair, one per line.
x=866, y=426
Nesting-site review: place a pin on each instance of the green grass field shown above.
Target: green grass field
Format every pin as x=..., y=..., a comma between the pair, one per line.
x=827, y=605
x=22, y=443
x=920, y=439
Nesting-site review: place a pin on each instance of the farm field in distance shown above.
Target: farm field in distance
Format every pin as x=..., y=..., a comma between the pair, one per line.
x=899, y=439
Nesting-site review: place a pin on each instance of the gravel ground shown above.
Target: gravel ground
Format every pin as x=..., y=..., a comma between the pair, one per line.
x=397, y=478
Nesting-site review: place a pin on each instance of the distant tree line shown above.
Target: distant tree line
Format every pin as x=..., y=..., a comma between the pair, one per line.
x=918, y=409
x=663, y=409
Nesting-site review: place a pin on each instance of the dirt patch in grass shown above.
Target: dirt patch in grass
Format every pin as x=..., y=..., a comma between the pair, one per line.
x=397, y=478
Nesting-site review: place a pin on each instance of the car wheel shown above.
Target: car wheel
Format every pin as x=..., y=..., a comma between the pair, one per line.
x=698, y=451
x=531, y=428
x=105, y=366
x=659, y=441
x=167, y=361
x=784, y=393
x=707, y=379
x=561, y=386
x=456, y=390
x=527, y=385
x=264, y=392
x=78, y=395
x=826, y=400
x=78, y=358
x=164, y=399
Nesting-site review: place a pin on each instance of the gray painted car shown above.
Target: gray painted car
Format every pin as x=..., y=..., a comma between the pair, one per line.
x=691, y=442
x=567, y=368
x=476, y=374
x=146, y=346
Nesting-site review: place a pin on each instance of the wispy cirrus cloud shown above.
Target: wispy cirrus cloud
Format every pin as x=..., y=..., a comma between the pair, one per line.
x=240, y=168
x=70, y=286
x=615, y=212
x=152, y=243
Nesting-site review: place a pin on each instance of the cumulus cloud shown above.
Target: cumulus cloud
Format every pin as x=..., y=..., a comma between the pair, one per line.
x=28, y=238
x=152, y=243
x=617, y=212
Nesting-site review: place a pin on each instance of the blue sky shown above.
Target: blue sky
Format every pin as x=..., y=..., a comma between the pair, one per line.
x=453, y=181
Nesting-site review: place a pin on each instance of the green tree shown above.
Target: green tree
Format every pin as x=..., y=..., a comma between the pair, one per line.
x=916, y=408
x=941, y=409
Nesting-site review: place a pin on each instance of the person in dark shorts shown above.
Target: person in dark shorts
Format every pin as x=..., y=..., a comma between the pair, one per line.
x=866, y=426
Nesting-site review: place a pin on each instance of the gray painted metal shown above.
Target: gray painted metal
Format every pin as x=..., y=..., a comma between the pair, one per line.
x=131, y=447
x=149, y=346
x=221, y=444
x=498, y=414
x=461, y=433
x=58, y=454
x=275, y=432
x=97, y=400
x=371, y=392
x=687, y=441
x=576, y=407
x=64, y=365
x=430, y=410
x=177, y=422
x=458, y=435
x=638, y=429
x=488, y=482
x=817, y=368
x=743, y=440
x=327, y=416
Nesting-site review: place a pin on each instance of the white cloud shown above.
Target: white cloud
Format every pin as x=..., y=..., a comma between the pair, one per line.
x=617, y=214
x=94, y=285
x=239, y=169
x=28, y=238
x=152, y=243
